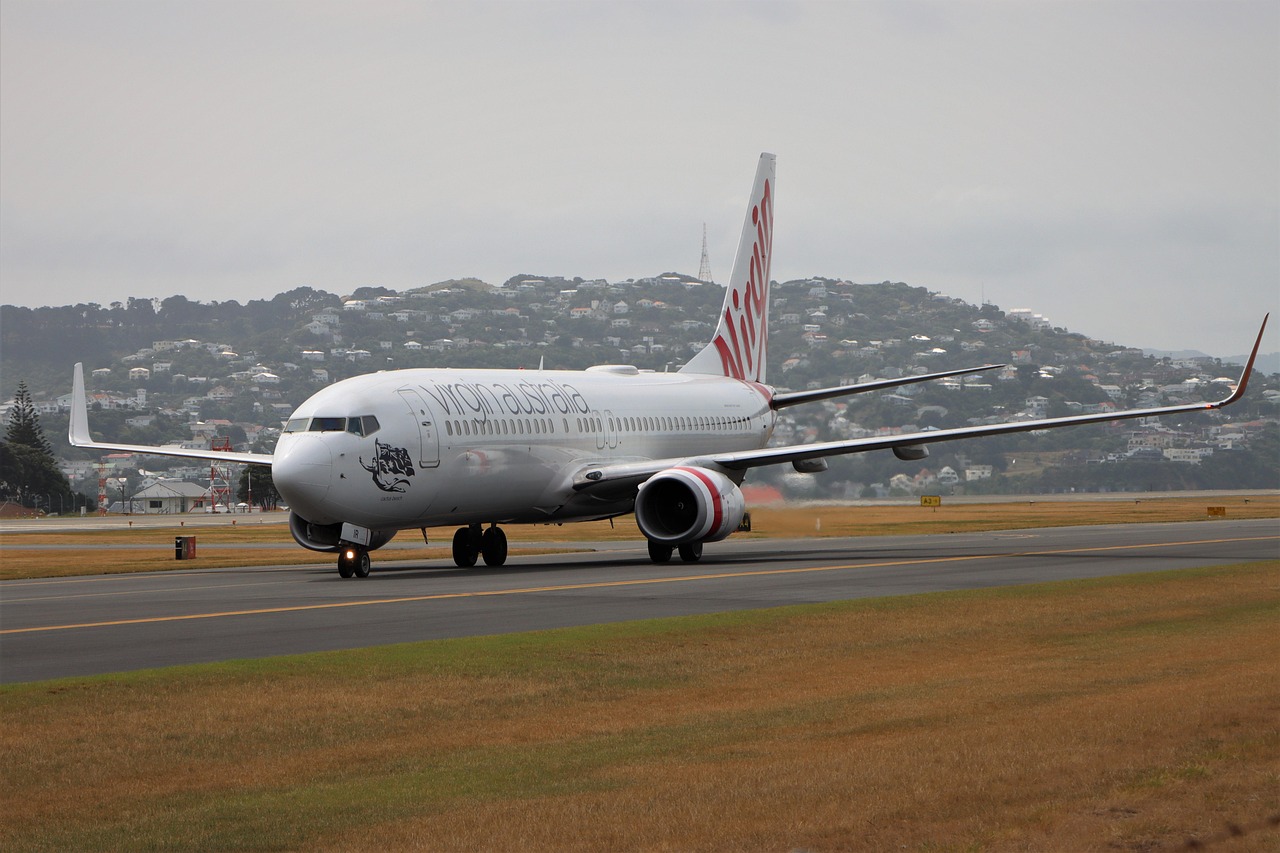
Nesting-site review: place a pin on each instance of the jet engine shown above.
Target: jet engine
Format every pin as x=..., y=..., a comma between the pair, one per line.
x=687, y=504
x=324, y=537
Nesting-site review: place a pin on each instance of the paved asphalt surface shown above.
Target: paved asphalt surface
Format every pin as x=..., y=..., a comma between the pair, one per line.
x=89, y=625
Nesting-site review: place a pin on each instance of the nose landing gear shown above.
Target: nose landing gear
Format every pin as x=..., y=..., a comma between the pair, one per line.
x=353, y=562
x=470, y=543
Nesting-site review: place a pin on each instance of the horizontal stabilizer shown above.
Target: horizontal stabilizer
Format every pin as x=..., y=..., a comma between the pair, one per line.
x=795, y=398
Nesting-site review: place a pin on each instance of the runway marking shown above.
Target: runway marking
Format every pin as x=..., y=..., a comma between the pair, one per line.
x=622, y=583
x=23, y=583
x=27, y=583
x=157, y=591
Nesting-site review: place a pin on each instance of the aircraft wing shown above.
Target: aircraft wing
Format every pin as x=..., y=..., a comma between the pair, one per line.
x=623, y=475
x=79, y=436
x=794, y=398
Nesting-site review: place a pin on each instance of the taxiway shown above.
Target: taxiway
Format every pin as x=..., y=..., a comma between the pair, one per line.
x=79, y=626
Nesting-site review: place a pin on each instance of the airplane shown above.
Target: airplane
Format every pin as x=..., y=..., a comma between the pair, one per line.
x=372, y=455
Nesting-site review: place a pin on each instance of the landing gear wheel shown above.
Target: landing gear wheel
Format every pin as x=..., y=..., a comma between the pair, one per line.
x=465, y=548
x=659, y=552
x=362, y=564
x=493, y=545
x=691, y=553
x=346, y=565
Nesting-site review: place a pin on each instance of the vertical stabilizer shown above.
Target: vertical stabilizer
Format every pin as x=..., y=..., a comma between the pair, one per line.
x=740, y=344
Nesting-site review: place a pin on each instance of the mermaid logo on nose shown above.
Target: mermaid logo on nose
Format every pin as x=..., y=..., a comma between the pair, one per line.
x=389, y=467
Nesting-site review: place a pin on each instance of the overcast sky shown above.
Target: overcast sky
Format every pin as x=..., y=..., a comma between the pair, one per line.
x=1114, y=166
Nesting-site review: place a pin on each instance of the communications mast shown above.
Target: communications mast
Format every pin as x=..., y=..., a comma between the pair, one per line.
x=219, y=478
x=704, y=269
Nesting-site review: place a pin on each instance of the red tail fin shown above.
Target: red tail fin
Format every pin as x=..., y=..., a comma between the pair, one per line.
x=739, y=346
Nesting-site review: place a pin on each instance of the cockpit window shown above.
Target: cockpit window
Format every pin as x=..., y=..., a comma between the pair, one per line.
x=328, y=424
x=357, y=425
x=362, y=425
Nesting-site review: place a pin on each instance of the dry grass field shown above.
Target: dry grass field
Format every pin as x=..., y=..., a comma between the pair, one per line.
x=1134, y=713
x=151, y=549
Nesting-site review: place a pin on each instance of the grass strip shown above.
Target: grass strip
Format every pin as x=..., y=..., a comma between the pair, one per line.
x=154, y=551
x=1136, y=711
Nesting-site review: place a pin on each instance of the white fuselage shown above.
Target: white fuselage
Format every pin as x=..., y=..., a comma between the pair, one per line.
x=420, y=448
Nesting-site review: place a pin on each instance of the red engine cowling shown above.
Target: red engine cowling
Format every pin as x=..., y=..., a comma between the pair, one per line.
x=688, y=504
x=324, y=537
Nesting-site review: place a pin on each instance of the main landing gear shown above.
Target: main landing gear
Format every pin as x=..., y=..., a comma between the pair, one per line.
x=353, y=562
x=471, y=543
x=661, y=553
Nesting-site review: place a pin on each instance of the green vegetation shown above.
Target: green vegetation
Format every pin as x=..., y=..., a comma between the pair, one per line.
x=29, y=474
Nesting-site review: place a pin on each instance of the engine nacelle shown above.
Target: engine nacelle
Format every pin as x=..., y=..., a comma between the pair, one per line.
x=325, y=537
x=688, y=504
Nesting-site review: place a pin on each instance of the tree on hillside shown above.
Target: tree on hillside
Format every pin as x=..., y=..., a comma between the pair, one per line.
x=29, y=474
x=24, y=422
x=257, y=486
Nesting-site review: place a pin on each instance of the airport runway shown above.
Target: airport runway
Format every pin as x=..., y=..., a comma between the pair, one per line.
x=90, y=625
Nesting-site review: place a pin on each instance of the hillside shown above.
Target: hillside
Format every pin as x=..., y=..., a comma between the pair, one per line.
x=176, y=369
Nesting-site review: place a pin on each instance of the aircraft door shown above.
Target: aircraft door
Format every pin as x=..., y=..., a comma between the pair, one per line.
x=610, y=425
x=428, y=437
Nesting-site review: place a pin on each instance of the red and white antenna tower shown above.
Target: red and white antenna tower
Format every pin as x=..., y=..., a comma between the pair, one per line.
x=102, y=488
x=219, y=479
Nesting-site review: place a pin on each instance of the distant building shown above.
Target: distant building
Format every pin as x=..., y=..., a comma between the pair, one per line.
x=169, y=496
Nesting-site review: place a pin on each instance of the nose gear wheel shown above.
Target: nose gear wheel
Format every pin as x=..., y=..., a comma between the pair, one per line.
x=354, y=562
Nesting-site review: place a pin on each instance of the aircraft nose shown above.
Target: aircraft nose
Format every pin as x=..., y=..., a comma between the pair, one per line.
x=302, y=475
